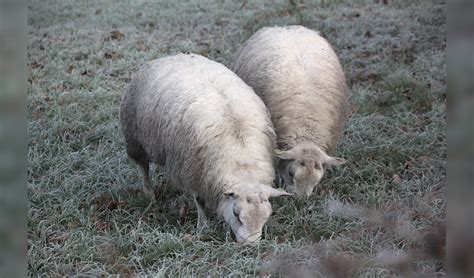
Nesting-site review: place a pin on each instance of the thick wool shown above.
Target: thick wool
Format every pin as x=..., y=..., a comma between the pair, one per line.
x=201, y=122
x=299, y=78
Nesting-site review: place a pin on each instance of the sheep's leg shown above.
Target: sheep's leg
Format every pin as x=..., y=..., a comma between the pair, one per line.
x=147, y=187
x=136, y=152
x=203, y=221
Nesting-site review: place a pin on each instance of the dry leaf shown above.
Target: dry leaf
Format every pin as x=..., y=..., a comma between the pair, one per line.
x=423, y=158
x=187, y=237
x=142, y=47
x=106, y=202
x=116, y=35
x=397, y=179
x=116, y=204
x=70, y=68
x=111, y=55
x=266, y=255
x=35, y=65
x=102, y=226
x=366, y=76
x=59, y=238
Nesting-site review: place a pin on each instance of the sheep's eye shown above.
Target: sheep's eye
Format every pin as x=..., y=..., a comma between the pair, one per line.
x=303, y=164
x=291, y=173
x=236, y=214
x=238, y=218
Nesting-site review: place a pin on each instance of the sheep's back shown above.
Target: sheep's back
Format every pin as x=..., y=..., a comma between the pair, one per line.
x=200, y=120
x=298, y=76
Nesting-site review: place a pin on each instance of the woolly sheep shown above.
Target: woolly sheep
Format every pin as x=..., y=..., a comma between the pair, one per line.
x=212, y=134
x=299, y=78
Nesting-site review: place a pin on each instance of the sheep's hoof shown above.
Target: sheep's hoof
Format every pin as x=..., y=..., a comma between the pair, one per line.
x=152, y=197
x=202, y=227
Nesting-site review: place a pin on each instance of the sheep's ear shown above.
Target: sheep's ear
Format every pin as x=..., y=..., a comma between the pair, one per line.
x=272, y=192
x=334, y=161
x=285, y=155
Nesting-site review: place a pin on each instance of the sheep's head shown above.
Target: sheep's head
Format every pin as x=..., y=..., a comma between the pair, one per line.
x=246, y=208
x=303, y=166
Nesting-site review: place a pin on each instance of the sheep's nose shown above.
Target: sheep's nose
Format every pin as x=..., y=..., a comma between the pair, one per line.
x=302, y=191
x=252, y=239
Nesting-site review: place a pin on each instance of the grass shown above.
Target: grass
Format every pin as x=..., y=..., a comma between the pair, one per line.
x=378, y=216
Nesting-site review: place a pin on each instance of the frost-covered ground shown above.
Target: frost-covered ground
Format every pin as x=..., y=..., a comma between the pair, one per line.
x=382, y=214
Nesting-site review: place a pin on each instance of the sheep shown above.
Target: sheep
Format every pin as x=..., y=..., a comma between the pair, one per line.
x=300, y=79
x=210, y=132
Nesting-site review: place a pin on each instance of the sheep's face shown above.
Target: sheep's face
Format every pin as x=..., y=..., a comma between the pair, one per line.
x=246, y=208
x=303, y=166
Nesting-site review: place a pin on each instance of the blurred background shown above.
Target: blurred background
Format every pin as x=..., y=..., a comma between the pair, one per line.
x=13, y=138
x=460, y=240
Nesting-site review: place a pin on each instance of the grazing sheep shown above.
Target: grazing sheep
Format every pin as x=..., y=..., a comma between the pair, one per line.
x=300, y=80
x=211, y=132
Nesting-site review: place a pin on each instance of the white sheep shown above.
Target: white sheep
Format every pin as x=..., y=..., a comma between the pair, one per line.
x=212, y=134
x=299, y=78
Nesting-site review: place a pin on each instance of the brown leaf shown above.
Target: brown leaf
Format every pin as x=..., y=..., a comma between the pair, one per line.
x=60, y=88
x=70, y=68
x=106, y=202
x=187, y=237
x=282, y=238
x=423, y=158
x=352, y=15
x=266, y=255
x=35, y=65
x=111, y=55
x=116, y=204
x=284, y=13
x=366, y=76
x=59, y=238
x=352, y=109
x=116, y=35
x=102, y=226
x=142, y=47
x=407, y=164
x=396, y=179
x=204, y=52
x=36, y=115
x=73, y=224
